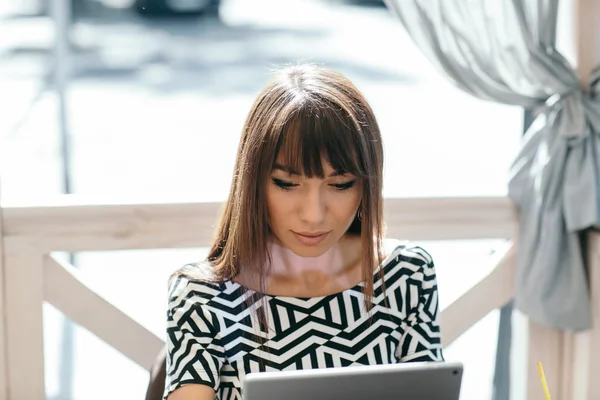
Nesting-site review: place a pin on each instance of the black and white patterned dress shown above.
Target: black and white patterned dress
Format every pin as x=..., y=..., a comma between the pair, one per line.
x=214, y=338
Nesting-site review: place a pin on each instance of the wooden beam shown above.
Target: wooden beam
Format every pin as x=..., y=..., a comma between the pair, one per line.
x=24, y=325
x=451, y=218
x=587, y=38
x=490, y=293
x=578, y=36
x=3, y=344
x=66, y=289
x=546, y=346
x=69, y=226
x=585, y=346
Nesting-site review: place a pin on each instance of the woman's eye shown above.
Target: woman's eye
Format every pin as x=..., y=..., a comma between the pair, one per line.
x=283, y=184
x=344, y=186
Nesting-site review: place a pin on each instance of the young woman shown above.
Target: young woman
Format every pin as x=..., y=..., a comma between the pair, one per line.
x=299, y=275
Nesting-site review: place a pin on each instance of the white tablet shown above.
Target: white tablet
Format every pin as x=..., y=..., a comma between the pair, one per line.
x=403, y=381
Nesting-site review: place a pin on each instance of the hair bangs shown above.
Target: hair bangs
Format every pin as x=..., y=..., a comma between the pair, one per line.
x=312, y=136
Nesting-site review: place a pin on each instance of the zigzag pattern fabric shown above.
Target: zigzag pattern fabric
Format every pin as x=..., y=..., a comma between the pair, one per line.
x=214, y=337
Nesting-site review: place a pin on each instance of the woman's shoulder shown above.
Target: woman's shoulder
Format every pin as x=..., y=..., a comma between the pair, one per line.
x=405, y=254
x=408, y=267
x=194, y=280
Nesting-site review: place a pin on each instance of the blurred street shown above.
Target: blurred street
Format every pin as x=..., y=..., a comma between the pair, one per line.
x=156, y=106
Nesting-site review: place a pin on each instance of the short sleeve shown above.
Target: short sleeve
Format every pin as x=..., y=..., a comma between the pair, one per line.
x=194, y=351
x=421, y=339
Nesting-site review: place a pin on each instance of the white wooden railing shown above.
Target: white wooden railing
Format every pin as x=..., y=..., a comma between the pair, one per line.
x=32, y=275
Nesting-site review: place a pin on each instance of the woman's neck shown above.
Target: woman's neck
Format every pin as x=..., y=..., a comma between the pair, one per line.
x=344, y=254
x=339, y=268
x=288, y=274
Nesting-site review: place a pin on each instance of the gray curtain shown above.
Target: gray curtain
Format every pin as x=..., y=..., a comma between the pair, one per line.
x=504, y=51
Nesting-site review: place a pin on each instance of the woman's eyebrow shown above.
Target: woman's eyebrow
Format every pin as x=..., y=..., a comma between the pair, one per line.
x=291, y=171
x=287, y=170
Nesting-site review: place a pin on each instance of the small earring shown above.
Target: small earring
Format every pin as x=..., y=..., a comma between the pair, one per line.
x=359, y=215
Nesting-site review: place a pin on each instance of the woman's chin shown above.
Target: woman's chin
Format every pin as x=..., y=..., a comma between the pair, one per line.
x=302, y=250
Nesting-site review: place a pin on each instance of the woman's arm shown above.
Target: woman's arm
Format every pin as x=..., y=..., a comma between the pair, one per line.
x=421, y=338
x=193, y=392
x=194, y=354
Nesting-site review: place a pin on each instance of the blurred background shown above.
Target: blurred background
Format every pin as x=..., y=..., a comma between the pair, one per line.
x=155, y=95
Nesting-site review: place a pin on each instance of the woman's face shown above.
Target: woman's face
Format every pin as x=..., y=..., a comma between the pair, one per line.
x=309, y=216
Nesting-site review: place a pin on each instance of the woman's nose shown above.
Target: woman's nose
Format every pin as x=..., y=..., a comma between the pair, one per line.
x=313, y=207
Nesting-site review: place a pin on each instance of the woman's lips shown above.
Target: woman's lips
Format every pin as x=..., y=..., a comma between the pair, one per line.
x=310, y=239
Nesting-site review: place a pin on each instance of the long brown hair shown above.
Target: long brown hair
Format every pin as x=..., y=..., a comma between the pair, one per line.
x=306, y=113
